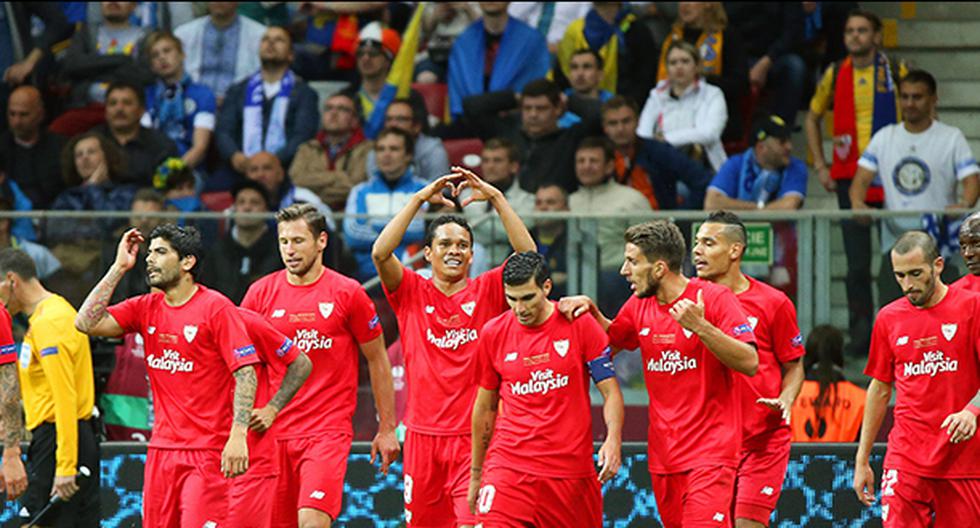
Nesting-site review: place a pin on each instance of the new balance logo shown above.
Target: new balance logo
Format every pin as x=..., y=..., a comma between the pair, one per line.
x=318, y=495
x=429, y=309
x=768, y=491
x=276, y=314
x=511, y=356
x=209, y=524
x=719, y=517
x=644, y=332
x=904, y=340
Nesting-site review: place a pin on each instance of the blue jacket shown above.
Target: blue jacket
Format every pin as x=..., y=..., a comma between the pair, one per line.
x=378, y=197
x=672, y=173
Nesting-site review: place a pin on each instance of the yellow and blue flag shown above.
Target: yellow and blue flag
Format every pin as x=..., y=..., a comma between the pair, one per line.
x=399, y=82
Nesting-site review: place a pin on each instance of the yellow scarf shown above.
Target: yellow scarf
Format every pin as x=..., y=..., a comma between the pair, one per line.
x=574, y=40
x=709, y=44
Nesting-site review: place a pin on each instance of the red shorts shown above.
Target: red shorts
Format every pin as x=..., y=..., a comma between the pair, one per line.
x=250, y=501
x=513, y=499
x=759, y=480
x=311, y=475
x=695, y=498
x=437, y=478
x=909, y=500
x=184, y=488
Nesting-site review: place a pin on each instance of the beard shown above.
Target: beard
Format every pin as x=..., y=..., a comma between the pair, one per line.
x=164, y=281
x=652, y=287
x=303, y=270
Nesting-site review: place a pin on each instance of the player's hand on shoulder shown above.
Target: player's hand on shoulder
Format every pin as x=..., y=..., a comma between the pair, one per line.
x=610, y=459
x=385, y=443
x=234, y=457
x=263, y=418
x=689, y=314
x=960, y=426
x=128, y=249
x=864, y=483
x=575, y=306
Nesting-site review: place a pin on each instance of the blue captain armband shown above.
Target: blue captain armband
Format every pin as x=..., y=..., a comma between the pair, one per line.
x=601, y=368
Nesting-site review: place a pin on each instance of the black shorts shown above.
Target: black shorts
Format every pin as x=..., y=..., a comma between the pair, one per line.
x=84, y=509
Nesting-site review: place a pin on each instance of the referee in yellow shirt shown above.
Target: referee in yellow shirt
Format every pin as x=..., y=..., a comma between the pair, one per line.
x=55, y=366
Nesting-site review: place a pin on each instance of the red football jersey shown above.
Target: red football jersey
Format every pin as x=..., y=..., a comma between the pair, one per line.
x=8, y=351
x=772, y=317
x=968, y=282
x=276, y=352
x=327, y=320
x=931, y=357
x=694, y=408
x=191, y=351
x=439, y=340
x=545, y=426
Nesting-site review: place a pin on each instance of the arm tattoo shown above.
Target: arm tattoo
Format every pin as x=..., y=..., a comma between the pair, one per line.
x=245, y=383
x=976, y=400
x=93, y=310
x=295, y=376
x=487, y=434
x=10, y=415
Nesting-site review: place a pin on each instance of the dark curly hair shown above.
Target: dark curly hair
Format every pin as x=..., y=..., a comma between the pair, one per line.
x=186, y=241
x=522, y=267
x=430, y=231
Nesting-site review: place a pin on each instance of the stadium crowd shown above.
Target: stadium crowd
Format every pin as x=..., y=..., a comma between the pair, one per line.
x=347, y=119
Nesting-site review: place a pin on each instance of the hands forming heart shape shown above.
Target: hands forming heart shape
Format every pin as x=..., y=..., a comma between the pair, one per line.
x=457, y=180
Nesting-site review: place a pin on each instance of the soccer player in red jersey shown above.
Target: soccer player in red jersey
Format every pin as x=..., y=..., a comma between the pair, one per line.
x=329, y=317
x=440, y=320
x=14, y=476
x=283, y=365
x=694, y=337
x=199, y=360
x=970, y=250
x=925, y=346
x=534, y=365
x=767, y=397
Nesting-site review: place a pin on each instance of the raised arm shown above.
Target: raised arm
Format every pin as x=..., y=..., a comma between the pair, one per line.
x=383, y=252
x=734, y=354
x=484, y=421
x=93, y=318
x=383, y=388
x=517, y=233
x=879, y=393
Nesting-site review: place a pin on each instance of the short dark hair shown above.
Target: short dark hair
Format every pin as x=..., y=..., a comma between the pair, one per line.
x=122, y=84
x=147, y=194
x=499, y=143
x=588, y=51
x=543, y=87
x=430, y=231
x=392, y=131
x=620, y=101
x=522, y=267
x=912, y=240
x=735, y=229
x=419, y=113
x=17, y=261
x=284, y=30
x=874, y=19
x=356, y=101
x=186, y=241
x=659, y=240
x=161, y=35
x=114, y=158
x=598, y=142
x=920, y=76
x=306, y=212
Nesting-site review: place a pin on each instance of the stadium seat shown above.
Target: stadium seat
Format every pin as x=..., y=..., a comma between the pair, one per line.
x=464, y=152
x=748, y=103
x=435, y=95
x=217, y=201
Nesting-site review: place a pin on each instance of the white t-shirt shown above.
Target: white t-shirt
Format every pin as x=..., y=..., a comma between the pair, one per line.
x=917, y=171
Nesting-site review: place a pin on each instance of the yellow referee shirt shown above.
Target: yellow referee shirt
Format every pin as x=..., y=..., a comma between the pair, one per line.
x=56, y=379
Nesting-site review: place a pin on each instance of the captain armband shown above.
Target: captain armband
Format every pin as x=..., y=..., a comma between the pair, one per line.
x=601, y=368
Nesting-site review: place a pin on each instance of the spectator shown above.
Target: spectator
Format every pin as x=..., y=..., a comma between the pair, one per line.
x=766, y=176
x=145, y=148
x=723, y=63
x=623, y=42
x=335, y=160
x=145, y=201
x=24, y=51
x=501, y=161
x=823, y=32
x=599, y=193
x=496, y=53
x=327, y=51
x=223, y=47
x=47, y=264
x=772, y=33
x=103, y=53
x=551, y=235
x=920, y=163
x=430, y=160
x=376, y=50
x=30, y=153
x=177, y=106
x=23, y=228
x=685, y=111
x=266, y=169
x=667, y=178
x=864, y=104
x=584, y=76
x=384, y=193
x=442, y=22
x=549, y=152
x=248, y=250
x=151, y=16
x=829, y=408
x=551, y=19
x=270, y=111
